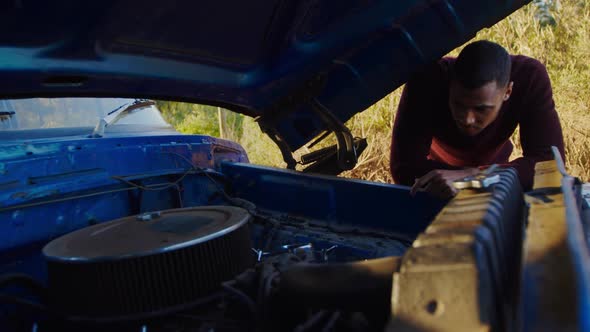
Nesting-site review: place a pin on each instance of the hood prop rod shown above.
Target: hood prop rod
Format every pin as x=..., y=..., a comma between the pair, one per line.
x=283, y=146
x=347, y=154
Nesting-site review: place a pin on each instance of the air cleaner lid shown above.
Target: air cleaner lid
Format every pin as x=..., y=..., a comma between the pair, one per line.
x=146, y=234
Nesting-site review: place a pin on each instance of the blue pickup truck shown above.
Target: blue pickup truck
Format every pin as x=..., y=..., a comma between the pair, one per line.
x=112, y=220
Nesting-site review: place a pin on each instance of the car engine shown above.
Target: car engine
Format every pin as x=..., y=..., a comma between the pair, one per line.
x=211, y=268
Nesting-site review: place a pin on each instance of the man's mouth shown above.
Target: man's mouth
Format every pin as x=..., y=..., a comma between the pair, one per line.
x=469, y=129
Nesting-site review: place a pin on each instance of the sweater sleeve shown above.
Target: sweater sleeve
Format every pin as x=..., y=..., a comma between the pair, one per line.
x=539, y=126
x=412, y=137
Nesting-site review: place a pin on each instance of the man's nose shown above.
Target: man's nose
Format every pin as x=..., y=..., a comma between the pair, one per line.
x=469, y=118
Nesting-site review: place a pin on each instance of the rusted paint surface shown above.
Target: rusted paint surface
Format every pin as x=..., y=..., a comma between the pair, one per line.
x=446, y=282
x=549, y=293
x=455, y=277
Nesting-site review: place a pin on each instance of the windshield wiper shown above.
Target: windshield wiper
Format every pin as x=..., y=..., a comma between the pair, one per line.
x=119, y=113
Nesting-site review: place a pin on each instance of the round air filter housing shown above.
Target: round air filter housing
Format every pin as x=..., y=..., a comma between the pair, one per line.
x=148, y=264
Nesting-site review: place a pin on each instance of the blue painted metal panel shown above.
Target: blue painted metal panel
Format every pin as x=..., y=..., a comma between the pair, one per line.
x=35, y=169
x=576, y=243
x=39, y=179
x=578, y=248
x=333, y=200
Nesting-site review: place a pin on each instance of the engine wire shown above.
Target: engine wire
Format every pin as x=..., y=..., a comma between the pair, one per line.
x=132, y=186
x=17, y=300
x=63, y=199
x=243, y=297
x=312, y=321
x=331, y=322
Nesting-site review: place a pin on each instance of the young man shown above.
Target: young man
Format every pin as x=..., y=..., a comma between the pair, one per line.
x=457, y=116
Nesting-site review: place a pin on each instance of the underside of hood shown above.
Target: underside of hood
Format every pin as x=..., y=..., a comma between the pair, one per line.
x=299, y=65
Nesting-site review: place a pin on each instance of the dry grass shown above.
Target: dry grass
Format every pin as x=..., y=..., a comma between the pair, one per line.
x=375, y=123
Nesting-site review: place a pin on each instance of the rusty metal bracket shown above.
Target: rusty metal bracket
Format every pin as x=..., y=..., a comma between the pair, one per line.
x=544, y=194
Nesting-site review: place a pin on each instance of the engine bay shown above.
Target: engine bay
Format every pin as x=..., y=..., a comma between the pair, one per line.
x=316, y=252
x=92, y=287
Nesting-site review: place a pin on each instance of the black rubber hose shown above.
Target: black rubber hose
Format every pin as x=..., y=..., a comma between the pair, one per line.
x=16, y=300
x=23, y=280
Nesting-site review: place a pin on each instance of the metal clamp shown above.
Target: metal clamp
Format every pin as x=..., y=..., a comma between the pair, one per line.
x=482, y=180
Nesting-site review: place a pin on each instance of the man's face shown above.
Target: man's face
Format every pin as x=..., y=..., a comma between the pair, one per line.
x=474, y=109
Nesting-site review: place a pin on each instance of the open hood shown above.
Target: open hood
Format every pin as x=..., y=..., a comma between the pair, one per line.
x=269, y=58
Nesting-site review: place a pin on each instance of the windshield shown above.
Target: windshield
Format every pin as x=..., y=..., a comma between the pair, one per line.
x=40, y=113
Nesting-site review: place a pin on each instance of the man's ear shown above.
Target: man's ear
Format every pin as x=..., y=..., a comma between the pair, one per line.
x=508, y=90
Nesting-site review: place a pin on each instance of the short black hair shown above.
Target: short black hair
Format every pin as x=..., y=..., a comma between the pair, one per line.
x=482, y=62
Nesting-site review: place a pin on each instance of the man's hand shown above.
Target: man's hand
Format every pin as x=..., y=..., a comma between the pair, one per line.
x=439, y=182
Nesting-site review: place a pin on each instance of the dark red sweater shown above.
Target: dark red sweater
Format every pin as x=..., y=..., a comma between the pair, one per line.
x=425, y=136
